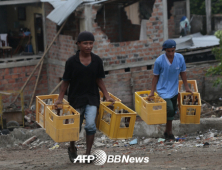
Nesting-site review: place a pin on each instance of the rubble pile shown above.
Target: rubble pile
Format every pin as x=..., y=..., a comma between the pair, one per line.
x=33, y=140
x=209, y=111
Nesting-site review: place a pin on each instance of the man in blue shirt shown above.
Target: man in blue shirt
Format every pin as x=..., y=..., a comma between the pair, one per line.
x=167, y=69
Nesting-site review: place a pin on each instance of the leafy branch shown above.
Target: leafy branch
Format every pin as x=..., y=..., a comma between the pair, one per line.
x=217, y=70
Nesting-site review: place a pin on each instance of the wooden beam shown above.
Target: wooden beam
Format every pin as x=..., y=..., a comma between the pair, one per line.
x=5, y=93
x=56, y=87
x=36, y=84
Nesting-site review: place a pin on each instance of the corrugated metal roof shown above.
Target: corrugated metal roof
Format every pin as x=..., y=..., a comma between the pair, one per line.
x=97, y=2
x=196, y=41
x=15, y=2
x=63, y=8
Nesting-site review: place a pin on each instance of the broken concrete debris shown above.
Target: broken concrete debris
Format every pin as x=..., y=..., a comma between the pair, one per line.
x=32, y=140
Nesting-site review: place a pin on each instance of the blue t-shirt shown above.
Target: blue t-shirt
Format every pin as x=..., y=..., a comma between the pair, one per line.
x=167, y=86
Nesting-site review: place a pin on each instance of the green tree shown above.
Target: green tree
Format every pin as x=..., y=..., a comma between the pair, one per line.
x=198, y=7
x=217, y=51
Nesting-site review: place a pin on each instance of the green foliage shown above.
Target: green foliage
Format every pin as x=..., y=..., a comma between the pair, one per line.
x=218, y=54
x=198, y=7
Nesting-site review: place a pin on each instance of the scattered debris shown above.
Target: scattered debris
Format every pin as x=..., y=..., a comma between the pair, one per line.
x=30, y=140
x=161, y=140
x=98, y=144
x=199, y=145
x=133, y=142
x=179, y=139
x=169, y=143
x=206, y=145
x=146, y=141
x=54, y=147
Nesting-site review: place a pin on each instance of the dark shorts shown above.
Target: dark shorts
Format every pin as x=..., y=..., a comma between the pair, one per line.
x=171, y=107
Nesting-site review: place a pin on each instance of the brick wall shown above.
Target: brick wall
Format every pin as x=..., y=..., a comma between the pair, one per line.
x=63, y=48
x=171, y=24
x=14, y=78
x=129, y=31
x=119, y=82
x=55, y=72
x=131, y=51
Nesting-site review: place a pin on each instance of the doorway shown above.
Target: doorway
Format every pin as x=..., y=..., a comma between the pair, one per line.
x=39, y=33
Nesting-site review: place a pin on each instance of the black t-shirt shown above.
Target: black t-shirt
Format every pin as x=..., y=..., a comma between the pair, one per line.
x=83, y=88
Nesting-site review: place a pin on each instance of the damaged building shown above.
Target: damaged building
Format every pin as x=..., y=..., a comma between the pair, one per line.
x=128, y=37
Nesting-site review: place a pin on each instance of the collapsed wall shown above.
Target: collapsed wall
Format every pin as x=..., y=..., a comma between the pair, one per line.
x=128, y=64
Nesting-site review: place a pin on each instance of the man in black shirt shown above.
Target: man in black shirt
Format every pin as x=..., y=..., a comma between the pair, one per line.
x=83, y=74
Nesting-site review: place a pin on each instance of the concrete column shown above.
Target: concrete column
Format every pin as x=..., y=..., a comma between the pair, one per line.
x=86, y=21
x=208, y=15
x=188, y=9
x=165, y=20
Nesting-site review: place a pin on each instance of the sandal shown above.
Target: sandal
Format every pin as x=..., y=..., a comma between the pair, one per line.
x=72, y=155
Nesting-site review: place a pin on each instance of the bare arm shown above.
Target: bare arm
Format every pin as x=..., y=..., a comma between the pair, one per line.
x=184, y=78
x=154, y=83
x=63, y=89
x=102, y=87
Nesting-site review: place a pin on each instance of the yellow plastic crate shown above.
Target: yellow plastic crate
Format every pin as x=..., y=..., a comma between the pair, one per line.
x=112, y=129
x=190, y=114
x=138, y=100
x=57, y=128
x=190, y=83
x=41, y=107
x=101, y=98
x=154, y=113
x=111, y=95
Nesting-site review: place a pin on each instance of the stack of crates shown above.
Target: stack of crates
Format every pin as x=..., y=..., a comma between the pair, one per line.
x=189, y=111
x=41, y=103
x=65, y=127
x=151, y=113
x=115, y=122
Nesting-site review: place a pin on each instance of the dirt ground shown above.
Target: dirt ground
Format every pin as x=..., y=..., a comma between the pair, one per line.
x=161, y=156
x=185, y=154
